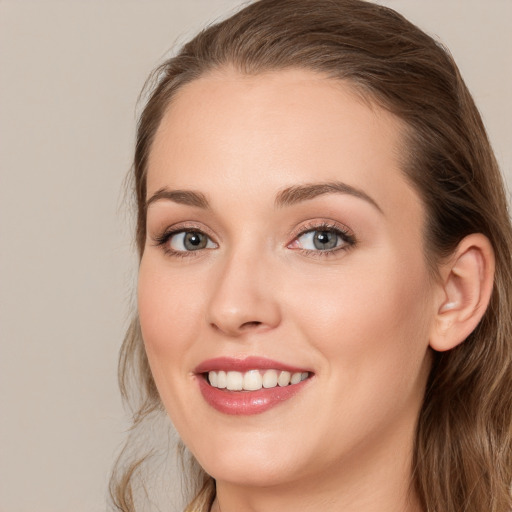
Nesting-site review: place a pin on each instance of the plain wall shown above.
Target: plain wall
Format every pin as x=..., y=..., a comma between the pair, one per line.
x=70, y=74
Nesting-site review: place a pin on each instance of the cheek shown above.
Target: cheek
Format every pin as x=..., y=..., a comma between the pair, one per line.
x=371, y=321
x=168, y=308
x=370, y=329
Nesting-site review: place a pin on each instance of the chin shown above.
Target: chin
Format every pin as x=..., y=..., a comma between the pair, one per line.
x=258, y=464
x=250, y=474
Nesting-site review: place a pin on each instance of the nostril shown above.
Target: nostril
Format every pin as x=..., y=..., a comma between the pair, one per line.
x=248, y=325
x=243, y=327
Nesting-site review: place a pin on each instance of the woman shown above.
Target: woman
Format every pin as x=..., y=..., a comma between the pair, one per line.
x=324, y=303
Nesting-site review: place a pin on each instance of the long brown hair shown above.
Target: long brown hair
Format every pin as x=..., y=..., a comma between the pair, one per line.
x=462, y=453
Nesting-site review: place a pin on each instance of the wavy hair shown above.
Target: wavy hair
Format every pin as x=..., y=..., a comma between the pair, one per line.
x=462, y=453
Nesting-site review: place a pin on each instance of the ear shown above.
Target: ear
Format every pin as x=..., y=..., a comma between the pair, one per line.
x=465, y=290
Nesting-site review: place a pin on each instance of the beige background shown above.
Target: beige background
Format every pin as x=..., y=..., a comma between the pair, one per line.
x=70, y=73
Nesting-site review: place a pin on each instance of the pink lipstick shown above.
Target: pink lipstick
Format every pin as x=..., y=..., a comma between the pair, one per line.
x=249, y=386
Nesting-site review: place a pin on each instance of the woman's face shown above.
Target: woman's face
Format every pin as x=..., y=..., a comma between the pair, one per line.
x=283, y=237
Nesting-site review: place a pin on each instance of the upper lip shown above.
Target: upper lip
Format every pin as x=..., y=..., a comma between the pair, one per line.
x=245, y=364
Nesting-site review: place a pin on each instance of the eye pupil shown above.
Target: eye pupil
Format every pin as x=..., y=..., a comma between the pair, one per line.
x=194, y=241
x=325, y=240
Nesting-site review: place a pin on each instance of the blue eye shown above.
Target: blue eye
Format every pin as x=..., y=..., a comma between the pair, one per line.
x=323, y=238
x=184, y=241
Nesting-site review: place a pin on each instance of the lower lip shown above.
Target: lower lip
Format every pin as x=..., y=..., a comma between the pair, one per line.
x=247, y=402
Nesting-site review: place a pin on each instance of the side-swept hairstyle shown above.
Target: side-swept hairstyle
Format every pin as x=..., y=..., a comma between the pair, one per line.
x=462, y=452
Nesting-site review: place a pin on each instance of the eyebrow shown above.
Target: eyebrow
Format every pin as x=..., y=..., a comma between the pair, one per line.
x=286, y=197
x=298, y=193
x=186, y=197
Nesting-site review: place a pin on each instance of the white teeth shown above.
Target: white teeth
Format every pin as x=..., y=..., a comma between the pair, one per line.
x=270, y=379
x=234, y=381
x=284, y=379
x=221, y=380
x=253, y=380
x=295, y=379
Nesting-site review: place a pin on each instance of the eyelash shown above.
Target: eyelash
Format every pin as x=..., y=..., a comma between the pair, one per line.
x=341, y=231
x=346, y=236
x=163, y=241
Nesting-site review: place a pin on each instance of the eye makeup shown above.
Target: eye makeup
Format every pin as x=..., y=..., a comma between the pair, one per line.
x=333, y=236
x=316, y=238
x=192, y=238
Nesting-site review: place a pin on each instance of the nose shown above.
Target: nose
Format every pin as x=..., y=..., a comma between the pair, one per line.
x=244, y=297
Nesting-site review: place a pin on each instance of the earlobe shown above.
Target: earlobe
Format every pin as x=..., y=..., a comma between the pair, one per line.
x=466, y=287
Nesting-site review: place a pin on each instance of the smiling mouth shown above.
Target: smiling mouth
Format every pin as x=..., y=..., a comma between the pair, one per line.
x=250, y=385
x=253, y=380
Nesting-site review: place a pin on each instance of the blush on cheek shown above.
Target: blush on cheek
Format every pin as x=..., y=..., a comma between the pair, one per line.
x=154, y=298
x=150, y=316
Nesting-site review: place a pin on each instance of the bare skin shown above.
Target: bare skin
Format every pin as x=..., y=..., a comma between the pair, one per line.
x=359, y=313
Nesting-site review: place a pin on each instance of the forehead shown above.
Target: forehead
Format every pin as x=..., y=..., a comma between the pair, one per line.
x=232, y=133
